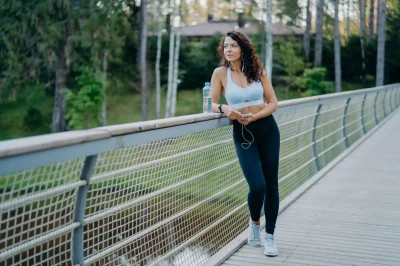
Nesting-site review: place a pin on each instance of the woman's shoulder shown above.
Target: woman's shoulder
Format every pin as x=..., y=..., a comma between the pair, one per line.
x=220, y=71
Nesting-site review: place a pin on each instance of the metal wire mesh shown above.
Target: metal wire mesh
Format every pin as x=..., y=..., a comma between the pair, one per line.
x=369, y=112
x=397, y=96
x=329, y=132
x=380, y=105
x=54, y=252
x=296, y=156
x=155, y=208
x=34, y=203
x=167, y=237
x=176, y=201
x=386, y=102
x=34, y=180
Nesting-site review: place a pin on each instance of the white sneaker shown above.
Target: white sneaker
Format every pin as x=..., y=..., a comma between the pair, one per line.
x=270, y=248
x=253, y=238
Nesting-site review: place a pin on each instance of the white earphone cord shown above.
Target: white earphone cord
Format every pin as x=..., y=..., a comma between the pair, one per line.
x=248, y=143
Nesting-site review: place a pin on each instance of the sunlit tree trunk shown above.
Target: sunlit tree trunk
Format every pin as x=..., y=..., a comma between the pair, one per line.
x=176, y=64
x=171, y=62
x=59, y=124
x=349, y=3
x=338, y=71
x=371, y=20
x=158, y=58
x=269, y=50
x=362, y=30
x=143, y=53
x=318, y=37
x=307, y=33
x=380, y=62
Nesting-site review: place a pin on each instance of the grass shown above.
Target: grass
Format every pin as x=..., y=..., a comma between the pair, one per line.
x=12, y=118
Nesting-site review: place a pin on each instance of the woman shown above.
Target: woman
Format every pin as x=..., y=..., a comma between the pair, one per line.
x=245, y=84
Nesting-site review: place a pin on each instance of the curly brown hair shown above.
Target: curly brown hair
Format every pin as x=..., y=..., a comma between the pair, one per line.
x=253, y=68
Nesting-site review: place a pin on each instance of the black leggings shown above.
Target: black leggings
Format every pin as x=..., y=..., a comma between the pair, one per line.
x=260, y=164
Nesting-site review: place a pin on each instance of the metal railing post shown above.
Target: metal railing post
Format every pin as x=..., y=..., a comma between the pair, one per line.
x=314, y=138
x=346, y=141
x=376, y=117
x=362, y=115
x=397, y=98
x=383, y=105
x=390, y=100
x=79, y=211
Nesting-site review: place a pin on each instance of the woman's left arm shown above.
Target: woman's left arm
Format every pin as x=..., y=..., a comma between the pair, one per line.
x=270, y=97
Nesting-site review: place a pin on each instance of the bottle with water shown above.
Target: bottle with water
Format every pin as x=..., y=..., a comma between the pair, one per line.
x=207, y=99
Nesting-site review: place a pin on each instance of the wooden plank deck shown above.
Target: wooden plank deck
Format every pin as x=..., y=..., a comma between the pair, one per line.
x=349, y=217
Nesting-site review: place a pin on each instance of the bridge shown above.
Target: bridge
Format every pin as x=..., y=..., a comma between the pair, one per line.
x=171, y=192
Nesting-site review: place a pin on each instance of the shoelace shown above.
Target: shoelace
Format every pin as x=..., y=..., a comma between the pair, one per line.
x=254, y=231
x=270, y=241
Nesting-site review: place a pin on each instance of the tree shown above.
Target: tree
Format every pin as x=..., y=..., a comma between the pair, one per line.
x=371, y=20
x=338, y=72
x=318, y=35
x=268, y=27
x=176, y=63
x=313, y=82
x=143, y=65
x=380, y=62
x=19, y=63
x=83, y=108
x=158, y=58
x=288, y=11
x=392, y=53
x=49, y=29
x=171, y=59
x=362, y=30
x=307, y=32
x=349, y=5
x=104, y=30
x=291, y=63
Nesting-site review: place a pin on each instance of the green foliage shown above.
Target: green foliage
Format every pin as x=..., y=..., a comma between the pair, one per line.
x=351, y=62
x=288, y=12
x=292, y=64
x=33, y=119
x=313, y=82
x=296, y=49
x=83, y=108
x=392, y=57
x=197, y=60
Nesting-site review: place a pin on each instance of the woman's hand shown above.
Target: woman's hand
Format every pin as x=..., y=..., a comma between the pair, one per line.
x=231, y=112
x=247, y=119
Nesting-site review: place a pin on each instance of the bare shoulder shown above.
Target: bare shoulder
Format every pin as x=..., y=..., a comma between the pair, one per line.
x=219, y=78
x=220, y=71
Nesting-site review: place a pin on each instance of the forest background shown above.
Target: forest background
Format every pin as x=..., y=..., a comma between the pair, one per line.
x=71, y=64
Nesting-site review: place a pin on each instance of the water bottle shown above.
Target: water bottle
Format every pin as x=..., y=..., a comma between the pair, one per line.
x=207, y=99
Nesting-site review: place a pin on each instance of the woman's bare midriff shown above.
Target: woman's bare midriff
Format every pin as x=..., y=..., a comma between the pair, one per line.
x=252, y=109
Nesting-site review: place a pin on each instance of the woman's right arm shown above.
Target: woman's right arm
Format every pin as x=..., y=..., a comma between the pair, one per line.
x=216, y=90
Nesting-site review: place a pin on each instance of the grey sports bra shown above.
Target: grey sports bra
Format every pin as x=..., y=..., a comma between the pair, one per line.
x=238, y=97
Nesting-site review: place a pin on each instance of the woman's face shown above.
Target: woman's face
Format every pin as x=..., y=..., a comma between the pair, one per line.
x=232, y=50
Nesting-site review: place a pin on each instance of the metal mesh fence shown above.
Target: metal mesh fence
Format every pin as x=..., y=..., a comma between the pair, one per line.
x=36, y=203
x=56, y=251
x=174, y=201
